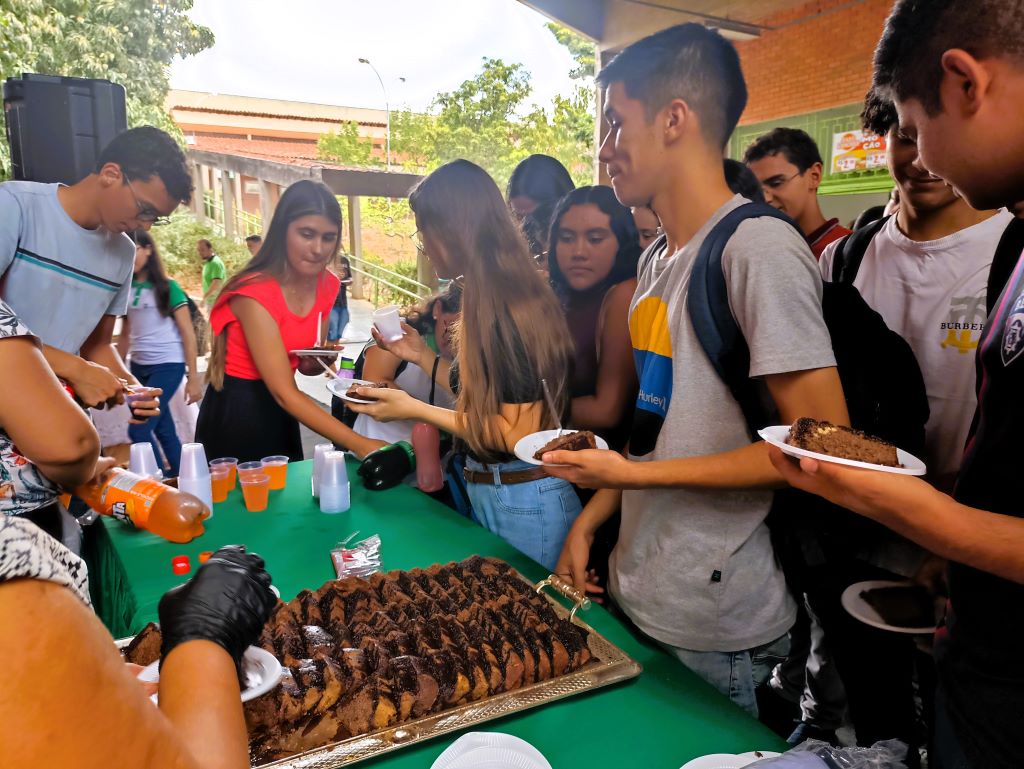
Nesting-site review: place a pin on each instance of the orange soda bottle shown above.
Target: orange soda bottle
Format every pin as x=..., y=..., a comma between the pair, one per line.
x=146, y=504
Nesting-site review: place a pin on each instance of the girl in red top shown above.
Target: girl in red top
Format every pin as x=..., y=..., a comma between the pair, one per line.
x=253, y=407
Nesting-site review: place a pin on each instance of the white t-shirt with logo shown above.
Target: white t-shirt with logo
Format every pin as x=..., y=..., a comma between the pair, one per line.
x=155, y=337
x=932, y=293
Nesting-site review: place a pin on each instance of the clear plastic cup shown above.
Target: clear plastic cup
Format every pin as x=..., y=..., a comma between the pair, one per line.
x=277, y=468
x=220, y=480
x=319, y=451
x=334, y=486
x=142, y=461
x=255, y=491
x=193, y=461
x=388, y=322
x=249, y=468
x=232, y=464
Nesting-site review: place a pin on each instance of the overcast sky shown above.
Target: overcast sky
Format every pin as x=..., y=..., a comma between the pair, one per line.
x=307, y=50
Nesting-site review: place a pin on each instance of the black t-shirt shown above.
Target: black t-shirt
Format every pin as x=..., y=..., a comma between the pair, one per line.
x=979, y=656
x=343, y=274
x=519, y=383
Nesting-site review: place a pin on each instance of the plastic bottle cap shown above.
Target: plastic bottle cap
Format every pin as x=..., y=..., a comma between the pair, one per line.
x=181, y=567
x=205, y=556
x=179, y=559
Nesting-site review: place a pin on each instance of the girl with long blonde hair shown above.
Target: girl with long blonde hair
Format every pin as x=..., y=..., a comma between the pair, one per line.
x=512, y=334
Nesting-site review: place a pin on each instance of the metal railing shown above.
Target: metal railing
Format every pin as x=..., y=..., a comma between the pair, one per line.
x=393, y=285
x=245, y=224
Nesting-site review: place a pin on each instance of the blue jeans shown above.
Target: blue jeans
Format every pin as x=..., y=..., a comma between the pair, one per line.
x=735, y=674
x=338, y=321
x=160, y=430
x=533, y=517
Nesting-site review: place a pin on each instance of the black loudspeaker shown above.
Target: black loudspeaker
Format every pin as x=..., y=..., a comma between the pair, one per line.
x=57, y=126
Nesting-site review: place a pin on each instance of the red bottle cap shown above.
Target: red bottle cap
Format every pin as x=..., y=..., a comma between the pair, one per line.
x=180, y=564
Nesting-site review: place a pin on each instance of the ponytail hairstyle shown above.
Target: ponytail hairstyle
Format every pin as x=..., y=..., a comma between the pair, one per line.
x=511, y=321
x=421, y=317
x=304, y=198
x=154, y=272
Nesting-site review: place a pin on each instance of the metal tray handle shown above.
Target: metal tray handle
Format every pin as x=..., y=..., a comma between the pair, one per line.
x=566, y=589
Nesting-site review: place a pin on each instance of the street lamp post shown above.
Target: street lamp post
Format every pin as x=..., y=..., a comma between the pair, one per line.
x=387, y=110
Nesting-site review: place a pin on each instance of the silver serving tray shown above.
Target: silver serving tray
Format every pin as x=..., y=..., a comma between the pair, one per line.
x=610, y=666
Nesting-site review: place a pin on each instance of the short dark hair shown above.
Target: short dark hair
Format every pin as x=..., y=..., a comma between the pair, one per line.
x=688, y=62
x=796, y=145
x=145, y=152
x=205, y=242
x=908, y=59
x=741, y=180
x=879, y=114
x=254, y=239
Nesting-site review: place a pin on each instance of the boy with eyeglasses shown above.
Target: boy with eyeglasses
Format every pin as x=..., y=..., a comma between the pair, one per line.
x=66, y=262
x=788, y=164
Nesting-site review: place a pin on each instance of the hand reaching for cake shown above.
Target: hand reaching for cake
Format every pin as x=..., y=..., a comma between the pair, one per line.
x=389, y=403
x=591, y=468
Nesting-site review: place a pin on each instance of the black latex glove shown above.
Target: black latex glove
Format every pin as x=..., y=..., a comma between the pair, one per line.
x=228, y=601
x=387, y=466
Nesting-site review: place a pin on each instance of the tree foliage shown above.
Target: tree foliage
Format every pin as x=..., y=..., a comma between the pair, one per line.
x=345, y=146
x=131, y=42
x=581, y=48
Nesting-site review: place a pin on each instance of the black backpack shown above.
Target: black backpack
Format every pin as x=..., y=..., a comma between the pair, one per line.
x=882, y=382
x=1008, y=252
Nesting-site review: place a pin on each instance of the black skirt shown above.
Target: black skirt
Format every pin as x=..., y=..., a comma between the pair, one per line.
x=243, y=420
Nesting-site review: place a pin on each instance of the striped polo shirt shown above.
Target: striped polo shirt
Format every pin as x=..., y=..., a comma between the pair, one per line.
x=59, y=278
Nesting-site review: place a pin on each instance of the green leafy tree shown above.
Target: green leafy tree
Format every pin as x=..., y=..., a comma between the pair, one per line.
x=582, y=49
x=346, y=147
x=131, y=42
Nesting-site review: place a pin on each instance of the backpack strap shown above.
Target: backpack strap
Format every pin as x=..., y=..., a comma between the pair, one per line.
x=654, y=251
x=851, y=249
x=1008, y=253
x=713, y=322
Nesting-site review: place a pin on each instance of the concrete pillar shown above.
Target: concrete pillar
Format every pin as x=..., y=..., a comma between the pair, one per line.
x=355, y=239
x=268, y=202
x=228, y=191
x=425, y=272
x=198, y=189
x=239, y=200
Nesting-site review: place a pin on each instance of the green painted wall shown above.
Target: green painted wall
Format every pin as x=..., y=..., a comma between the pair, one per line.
x=820, y=125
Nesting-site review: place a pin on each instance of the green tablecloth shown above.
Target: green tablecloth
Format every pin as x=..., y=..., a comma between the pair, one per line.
x=661, y=719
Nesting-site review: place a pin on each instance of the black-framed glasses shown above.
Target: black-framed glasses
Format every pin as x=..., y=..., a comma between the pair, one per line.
x=778, y=182
x=145, y=212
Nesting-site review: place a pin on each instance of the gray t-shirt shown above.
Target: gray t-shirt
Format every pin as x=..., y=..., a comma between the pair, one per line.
x=695, y=568
x=59, y=278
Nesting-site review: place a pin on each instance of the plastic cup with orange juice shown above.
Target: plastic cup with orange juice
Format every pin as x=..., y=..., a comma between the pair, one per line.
x=249, y=468
x=277, y=468
x=232, y=464
x=220, y=480
x=255, y=491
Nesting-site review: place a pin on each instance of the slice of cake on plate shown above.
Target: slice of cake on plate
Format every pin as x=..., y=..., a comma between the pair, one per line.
x=844, y=442
x=574, y=441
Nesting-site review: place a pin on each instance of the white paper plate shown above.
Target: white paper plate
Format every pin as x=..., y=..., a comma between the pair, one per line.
x=528, y=445
x=339, y=387
x=260, y=668
x=472, y=741
x=729, y=760
x=860, y=609
x=777, y=435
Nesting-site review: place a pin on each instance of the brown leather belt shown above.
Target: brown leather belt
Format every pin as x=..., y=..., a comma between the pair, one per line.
x=512, y=477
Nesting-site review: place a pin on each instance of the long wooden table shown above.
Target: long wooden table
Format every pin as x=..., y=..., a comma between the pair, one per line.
x=660, y=720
